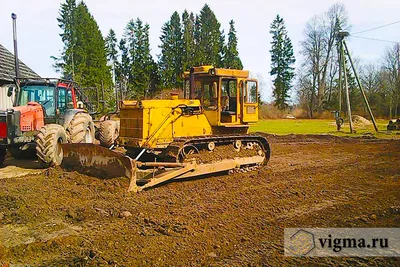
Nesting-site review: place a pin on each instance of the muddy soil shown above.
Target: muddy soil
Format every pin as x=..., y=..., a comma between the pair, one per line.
x=54, y=218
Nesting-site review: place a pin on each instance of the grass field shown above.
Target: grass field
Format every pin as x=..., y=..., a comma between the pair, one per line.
x=314, y=126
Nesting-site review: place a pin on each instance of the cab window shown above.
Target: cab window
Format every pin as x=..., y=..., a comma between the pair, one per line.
x=210, y=100
x=250, y=94
x=197, y=89
x=64, y=99
x=229, y=95
x=42, y=94
x=70, y=103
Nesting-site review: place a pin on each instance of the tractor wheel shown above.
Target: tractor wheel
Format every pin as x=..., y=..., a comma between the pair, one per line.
x=81, y=129
x=109, y=131
x=3, y=153
x=48, y=144
x=17, y=153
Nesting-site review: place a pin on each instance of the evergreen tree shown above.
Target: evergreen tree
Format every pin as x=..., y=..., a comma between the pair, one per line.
x=188, y=59
x=122, y=69
x=90, y=58
x=84, y=54
x=282, y=59
x=111, y=50
x=231, y=57
x=130, y=46
x=198, y=57
x=170, y=60
x=125, y=62
x=111, y=46
x=221, y=50
x=66, y=21
x=142, y=66
x=154, y=79
x=209, y=37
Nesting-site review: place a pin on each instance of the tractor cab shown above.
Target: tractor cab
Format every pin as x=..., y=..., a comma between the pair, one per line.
x=53, y=95
x=36, y=103
x=228, y=97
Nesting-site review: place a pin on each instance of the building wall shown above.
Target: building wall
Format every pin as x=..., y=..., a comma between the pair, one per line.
x=5, y=101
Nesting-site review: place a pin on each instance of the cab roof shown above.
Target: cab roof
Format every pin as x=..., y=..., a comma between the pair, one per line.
x=211, y=71
x=47, y=81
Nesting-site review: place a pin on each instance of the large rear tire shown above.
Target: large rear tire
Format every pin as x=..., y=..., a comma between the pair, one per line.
x=81, y=129
x=109, y=132
x=3, y=153
x=48, y=144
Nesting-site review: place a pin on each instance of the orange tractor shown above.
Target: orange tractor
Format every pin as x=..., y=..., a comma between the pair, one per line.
x=46, y=113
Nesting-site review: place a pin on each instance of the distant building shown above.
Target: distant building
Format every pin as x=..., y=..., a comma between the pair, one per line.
x=7, y=75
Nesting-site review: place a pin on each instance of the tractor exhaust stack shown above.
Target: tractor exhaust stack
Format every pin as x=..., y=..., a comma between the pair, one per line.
x=14, y=18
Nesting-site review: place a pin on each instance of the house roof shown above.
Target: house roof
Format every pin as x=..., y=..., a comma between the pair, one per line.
x=7, y=68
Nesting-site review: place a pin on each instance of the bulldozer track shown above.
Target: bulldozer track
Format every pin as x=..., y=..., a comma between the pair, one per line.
x=224, y=147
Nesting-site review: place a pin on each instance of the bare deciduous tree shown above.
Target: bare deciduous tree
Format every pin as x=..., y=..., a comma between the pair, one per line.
x=319, y=53
x=391, y=69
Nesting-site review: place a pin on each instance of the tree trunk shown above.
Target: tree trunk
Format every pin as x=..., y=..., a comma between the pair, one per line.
x=313, y=87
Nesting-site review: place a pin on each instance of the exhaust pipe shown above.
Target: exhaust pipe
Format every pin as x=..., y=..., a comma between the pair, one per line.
x=14, y=18
x=191, y=83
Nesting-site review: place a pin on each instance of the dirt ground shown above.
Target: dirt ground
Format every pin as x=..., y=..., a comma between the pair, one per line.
x=52, y=218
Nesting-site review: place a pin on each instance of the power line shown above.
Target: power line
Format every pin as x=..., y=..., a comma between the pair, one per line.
x=375, y=39
x=378, y=27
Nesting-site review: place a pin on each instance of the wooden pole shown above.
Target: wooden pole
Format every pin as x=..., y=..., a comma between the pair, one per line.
x=398, y=72
x=346, y=87
x=360, y=86
x=340, y=78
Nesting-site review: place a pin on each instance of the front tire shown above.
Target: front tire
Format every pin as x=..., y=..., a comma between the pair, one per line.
x=48, y=144
x=109, y=132
x=81, y=129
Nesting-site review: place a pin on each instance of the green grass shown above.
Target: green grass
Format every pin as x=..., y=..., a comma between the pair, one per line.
x=314, y=126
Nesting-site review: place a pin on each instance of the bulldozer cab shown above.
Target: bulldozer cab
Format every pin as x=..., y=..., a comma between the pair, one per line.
x=228, y=97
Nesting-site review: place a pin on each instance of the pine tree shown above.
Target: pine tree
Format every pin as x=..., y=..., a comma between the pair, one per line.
x=142, y=66
x=221, y=50
x=84, y=54
x=209, y=37
x=66, y=21
x=198, y=57
x=90, y=58
x=231, y=57
x=282, y=59
x=188, y=58
x=122, y=69
x=111, y=50
x=125, y=63
x=170, y=59
x=130, y=45
x=151, y=77
x=111, y=46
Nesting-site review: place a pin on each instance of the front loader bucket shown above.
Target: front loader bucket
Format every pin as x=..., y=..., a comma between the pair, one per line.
x=96, y=161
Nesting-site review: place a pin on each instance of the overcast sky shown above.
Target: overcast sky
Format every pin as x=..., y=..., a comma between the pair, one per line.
x=38, y=31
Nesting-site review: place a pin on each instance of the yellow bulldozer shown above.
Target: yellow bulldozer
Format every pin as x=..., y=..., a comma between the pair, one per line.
x=203, y=131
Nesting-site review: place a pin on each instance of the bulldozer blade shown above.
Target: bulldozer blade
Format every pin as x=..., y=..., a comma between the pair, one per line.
x=96, y=161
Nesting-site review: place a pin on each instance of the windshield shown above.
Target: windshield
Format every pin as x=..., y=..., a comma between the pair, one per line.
x=42, y=94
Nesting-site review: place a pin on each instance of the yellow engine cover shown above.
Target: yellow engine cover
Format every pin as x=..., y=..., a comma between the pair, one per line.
x=155, y=123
